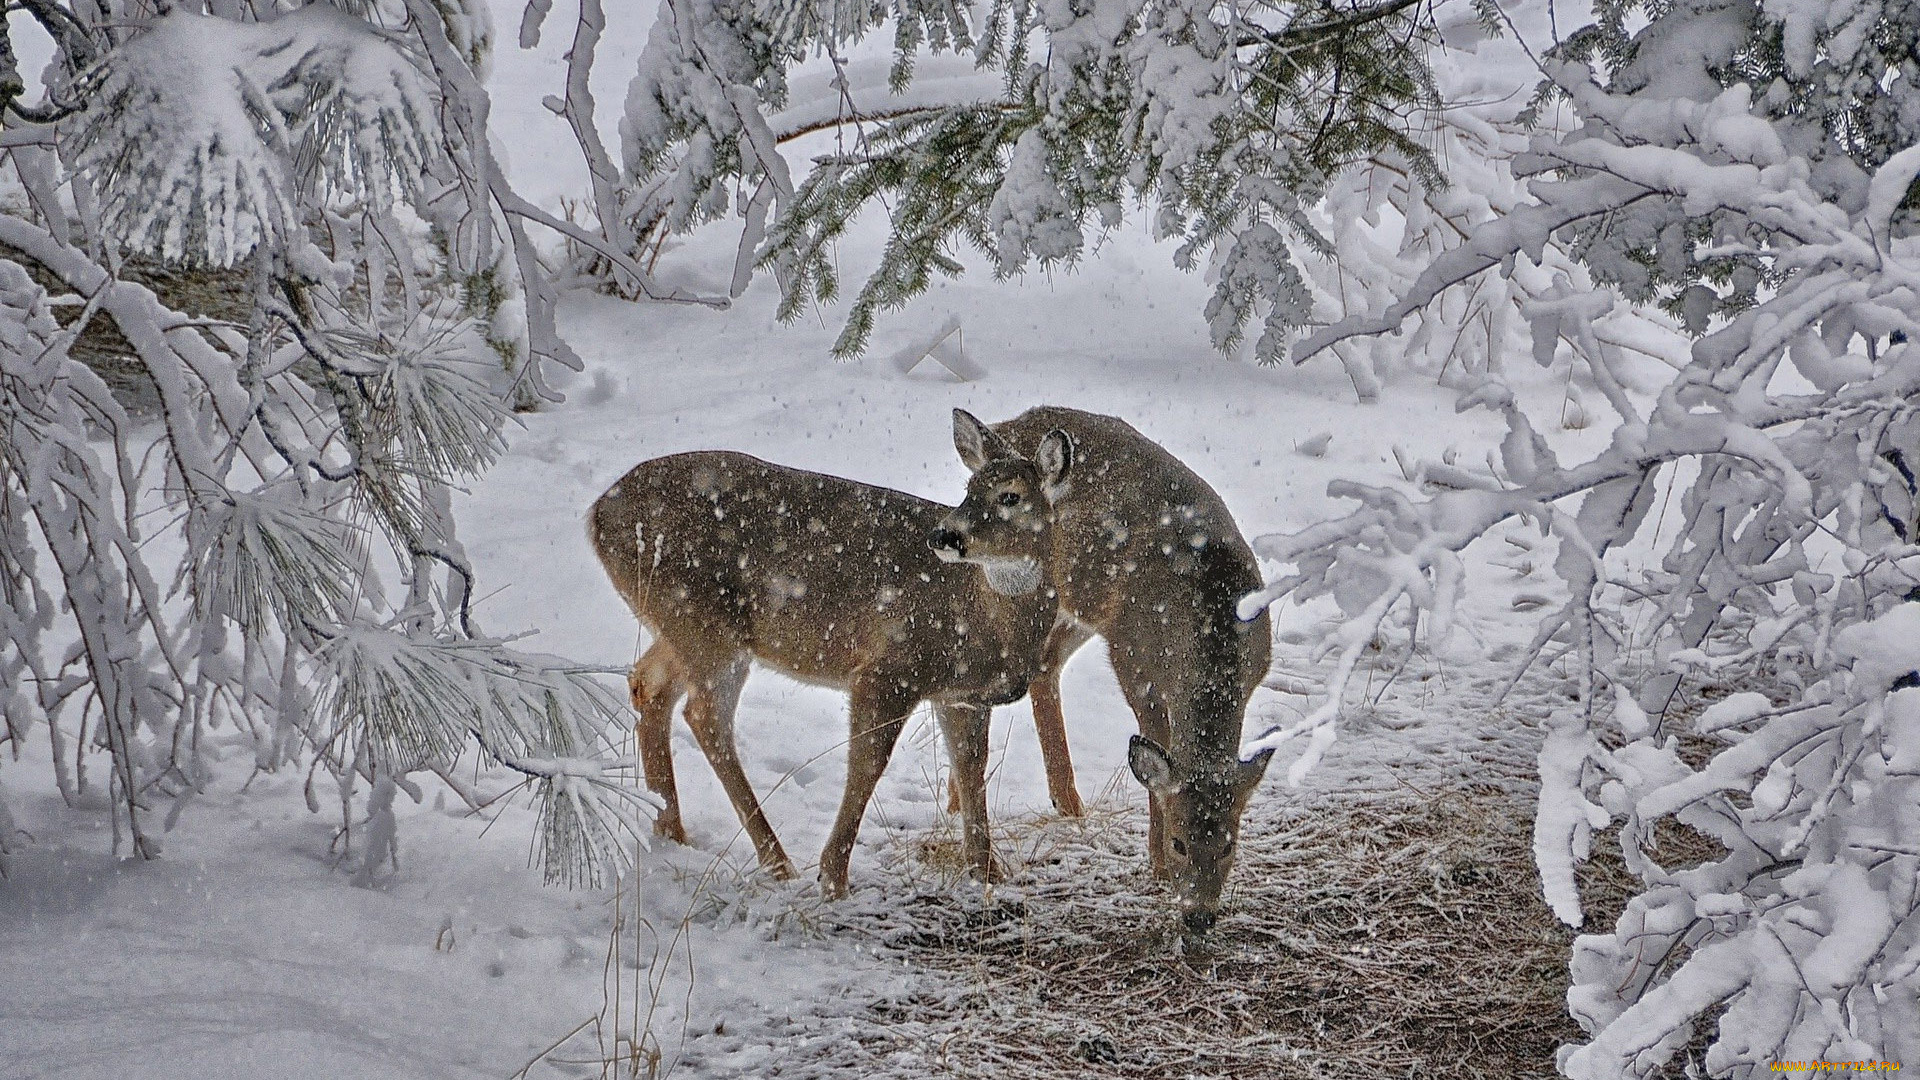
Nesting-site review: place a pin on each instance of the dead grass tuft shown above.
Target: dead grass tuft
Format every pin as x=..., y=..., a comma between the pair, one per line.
x=1397, y=935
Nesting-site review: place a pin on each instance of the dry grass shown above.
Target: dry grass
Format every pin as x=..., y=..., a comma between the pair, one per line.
x=1398, y=935
x=1375, y=933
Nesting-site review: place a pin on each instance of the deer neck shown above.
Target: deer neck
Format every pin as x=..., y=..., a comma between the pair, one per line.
x=1015, y=598
x=1014, y=578
x=1208, y=688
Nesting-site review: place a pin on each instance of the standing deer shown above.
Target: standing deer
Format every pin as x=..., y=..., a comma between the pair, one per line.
x=1146, y=556
x=728, y=559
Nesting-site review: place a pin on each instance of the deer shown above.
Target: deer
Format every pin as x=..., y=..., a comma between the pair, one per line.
x=728, y=559
x=1146, y=555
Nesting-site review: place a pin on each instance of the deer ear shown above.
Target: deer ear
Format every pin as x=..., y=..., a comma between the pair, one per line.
x=978, y=443
x=1252, y=770
x=1056, y=462
x=1151, y=765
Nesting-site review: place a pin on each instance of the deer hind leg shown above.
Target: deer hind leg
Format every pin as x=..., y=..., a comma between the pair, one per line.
x=656, y=683
x=877, y=709
x=965, y=726
x=711, y=701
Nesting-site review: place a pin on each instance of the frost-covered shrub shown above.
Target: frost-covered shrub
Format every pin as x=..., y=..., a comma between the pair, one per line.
x=1775, y=218
x=219, y=567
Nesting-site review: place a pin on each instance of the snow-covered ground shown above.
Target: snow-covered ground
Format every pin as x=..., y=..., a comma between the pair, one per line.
x=246, y=953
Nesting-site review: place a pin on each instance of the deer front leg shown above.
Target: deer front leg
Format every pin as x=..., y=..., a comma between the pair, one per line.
x=965, y=726
x=1149, y=706
x=1051, y=727
x=656, y=683
x=1157, y=839
x=877, y=709
x=1048, y=722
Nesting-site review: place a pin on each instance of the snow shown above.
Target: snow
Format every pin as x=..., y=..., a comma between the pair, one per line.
x=1732, y=710
x=1883, y=649
x=244, y=953
x=247, y=952
x=250, y=950
x=1029, y=213
x=1563, y=829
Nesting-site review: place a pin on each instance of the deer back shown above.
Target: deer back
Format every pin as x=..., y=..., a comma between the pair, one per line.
x=722, y=553
x=1128, y=536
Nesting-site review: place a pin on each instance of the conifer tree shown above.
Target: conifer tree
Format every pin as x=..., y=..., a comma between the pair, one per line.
x=249, y=531
x=1751, y=167
x=1223, y=122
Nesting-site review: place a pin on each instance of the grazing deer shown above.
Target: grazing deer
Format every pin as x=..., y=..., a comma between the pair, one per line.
x=1146, y=556
x=728, y=559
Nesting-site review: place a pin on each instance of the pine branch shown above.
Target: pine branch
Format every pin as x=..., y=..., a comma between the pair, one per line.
x=1296, y=35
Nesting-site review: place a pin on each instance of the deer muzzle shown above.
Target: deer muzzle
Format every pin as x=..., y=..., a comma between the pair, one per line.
x=1199, y=920
x=948, y=543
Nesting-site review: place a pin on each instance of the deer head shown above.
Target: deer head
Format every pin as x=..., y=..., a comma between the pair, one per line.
x=1200, y=809
x=1003, y=524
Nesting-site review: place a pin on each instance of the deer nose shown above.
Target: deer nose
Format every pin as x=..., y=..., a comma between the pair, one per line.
x=945, y=539
x=1199, y=920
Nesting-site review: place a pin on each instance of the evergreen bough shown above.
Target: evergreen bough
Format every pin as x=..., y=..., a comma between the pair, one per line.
x=1222, y=121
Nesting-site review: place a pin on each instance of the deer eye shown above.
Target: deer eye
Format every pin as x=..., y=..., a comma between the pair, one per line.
x=1009, y=498
x=1179, y=846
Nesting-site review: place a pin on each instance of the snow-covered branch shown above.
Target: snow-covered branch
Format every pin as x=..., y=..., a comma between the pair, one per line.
x=1764, y=218
x=1225, y=122
x=291, y=166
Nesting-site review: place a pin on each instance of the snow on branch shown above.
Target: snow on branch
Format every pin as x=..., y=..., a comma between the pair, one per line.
x=408, y=700
x=1223, y=123
x=203, y=132
x=57, y=487
x=325, y=171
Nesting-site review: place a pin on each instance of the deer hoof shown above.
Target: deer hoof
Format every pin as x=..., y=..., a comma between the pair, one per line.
x=669, y=827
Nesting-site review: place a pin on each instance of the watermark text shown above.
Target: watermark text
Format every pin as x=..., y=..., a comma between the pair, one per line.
x=1834, y=1066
